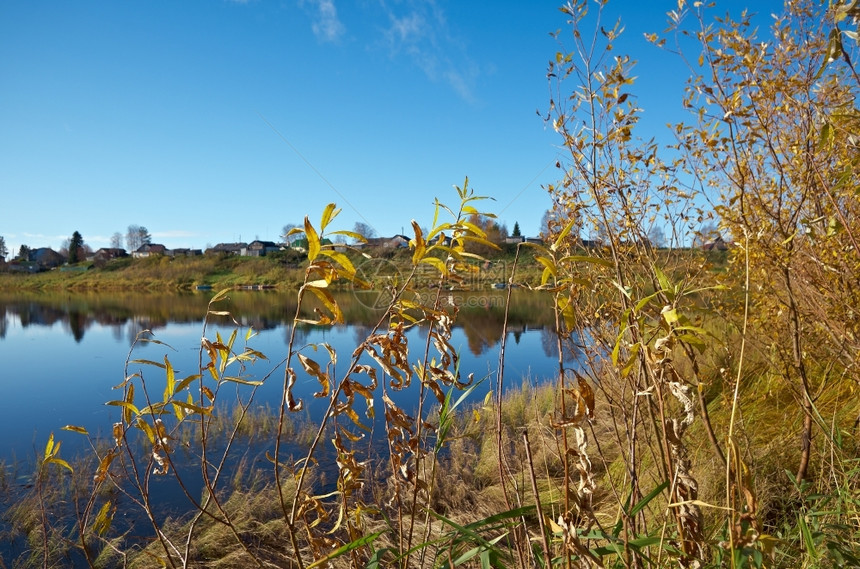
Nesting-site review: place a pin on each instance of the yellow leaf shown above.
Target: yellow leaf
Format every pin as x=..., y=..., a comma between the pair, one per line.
x=351, y=234
x=438, y=263
x=328, y=300
x=475, y=230
x=670, y=315
x=341, y=259
x=129, y=400
x=313, y=240
x=103, y=520
x=548, y=263
x=194, y=408
x=314, y=369
x=49, y=448
x=329, y=213
x=418, y=242
x=76, y=429
x=562, y=235
x=60, y=462
x=171, y=380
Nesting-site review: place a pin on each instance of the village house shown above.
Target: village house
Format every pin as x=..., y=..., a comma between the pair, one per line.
x=260, y=248
x=46, y=258
x=184, y=252
x=108, y=253
x=396, y=242
x=148, y=250
x=716, y=245
x=227, y=249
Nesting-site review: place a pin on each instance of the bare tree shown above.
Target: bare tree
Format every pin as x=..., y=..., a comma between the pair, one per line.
x=657, y=237
x=286, y=237
x=364, y=229
x=116, y=240
x=136, y=236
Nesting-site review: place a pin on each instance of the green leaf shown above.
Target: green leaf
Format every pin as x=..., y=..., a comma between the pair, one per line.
x=664, y=282
x=346, y=548
x=651, y=495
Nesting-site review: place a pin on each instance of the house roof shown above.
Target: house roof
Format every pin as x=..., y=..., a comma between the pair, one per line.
x=151, y=248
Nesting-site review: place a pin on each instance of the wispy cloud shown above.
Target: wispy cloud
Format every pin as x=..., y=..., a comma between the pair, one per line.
x=420, y=30
x=326, y=25
x=38, y=237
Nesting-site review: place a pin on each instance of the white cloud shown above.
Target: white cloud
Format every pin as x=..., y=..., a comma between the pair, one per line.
x=422, y=32
x=326, y=24
x=43, y=237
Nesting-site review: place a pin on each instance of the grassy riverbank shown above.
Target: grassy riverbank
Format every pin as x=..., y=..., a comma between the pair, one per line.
x=162, y=274
x=280, y=271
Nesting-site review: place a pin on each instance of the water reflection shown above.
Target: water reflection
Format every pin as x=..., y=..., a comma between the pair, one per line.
x=65, y=352
x=481, y=315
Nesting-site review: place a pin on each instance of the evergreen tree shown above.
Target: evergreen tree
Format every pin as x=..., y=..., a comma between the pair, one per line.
x=24, y=253
x=3, y=250
x=516, y=231
x=76, y=248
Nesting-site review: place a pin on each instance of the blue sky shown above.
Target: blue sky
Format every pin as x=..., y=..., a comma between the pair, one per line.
x=216, y=120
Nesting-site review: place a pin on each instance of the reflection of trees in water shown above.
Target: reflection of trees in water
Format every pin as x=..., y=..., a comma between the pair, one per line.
x=258, y=323
x=360, y=332
x=118, y=331
x=481, y=314
x=483, y=331
x=569, y=346
x=77, y=325
x=303, y=331
x=138, y=325
x=4, y=324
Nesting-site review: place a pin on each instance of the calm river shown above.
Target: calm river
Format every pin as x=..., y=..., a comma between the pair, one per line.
x=63, y=353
